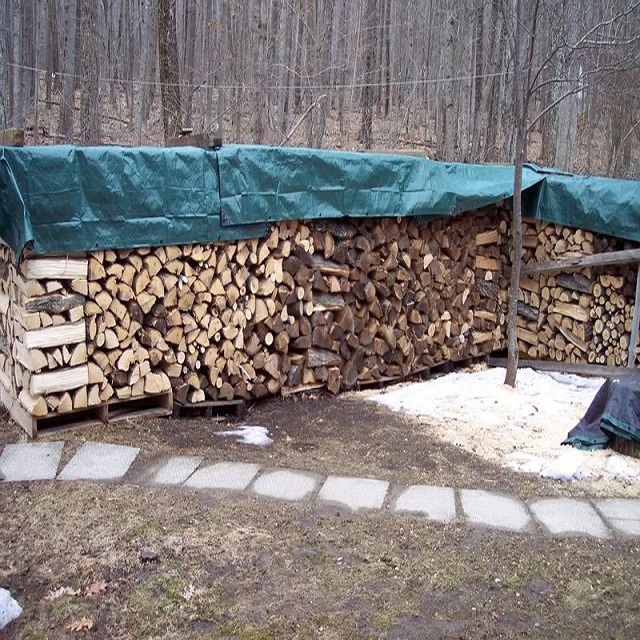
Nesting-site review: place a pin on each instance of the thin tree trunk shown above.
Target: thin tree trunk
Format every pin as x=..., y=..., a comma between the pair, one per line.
x=169, y=70
x=68, y=85
x=90, y=113
x=516, y=220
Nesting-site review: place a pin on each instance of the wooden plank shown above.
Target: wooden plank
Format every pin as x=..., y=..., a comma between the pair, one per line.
x=56, y=336
x=202, y=140
x=55, y=268
x=595, y=260
x=12, y=137
x=633, y=342
x=600, y=370
x=59, y=380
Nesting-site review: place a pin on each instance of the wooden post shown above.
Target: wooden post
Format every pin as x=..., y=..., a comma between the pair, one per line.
x=634, y=329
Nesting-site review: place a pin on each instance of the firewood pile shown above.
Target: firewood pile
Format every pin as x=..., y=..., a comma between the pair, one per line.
x=42, y=334
x=326, y=304
x=582, y=316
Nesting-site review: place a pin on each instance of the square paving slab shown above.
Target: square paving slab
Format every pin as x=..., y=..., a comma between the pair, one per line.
x=177, y=469
x=231, y=476
x=437, y=503
x=31, y=461
x=99, y=461
x=569, y=516
x=285, y=484
x=355, y=493
x=494, y=510
x=623, y=514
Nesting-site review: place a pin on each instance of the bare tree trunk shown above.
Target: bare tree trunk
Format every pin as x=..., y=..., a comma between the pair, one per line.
x=90, y=112
x=68, y=85
x=368, y=40
x=516, y=220
x=169, y=70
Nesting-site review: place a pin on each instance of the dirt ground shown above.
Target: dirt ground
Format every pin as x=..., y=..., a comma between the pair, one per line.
x=319, y=432
x=239, y=567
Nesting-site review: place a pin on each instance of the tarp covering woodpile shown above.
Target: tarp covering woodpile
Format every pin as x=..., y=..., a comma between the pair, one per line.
x=64, y=198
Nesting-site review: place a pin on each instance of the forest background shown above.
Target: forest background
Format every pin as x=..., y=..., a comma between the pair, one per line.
x=435, y=76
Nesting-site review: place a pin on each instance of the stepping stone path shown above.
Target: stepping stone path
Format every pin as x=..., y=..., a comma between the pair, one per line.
x=99, y=461
x=601, y=518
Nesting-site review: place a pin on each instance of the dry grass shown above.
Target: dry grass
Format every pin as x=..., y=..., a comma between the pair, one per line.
x=244, y=568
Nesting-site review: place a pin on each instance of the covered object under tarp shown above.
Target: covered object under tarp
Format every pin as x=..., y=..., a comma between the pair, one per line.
x=614, y=413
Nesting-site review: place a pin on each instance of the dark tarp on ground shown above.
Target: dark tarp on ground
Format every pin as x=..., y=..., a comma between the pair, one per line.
x=615, y=410
x=63, y=198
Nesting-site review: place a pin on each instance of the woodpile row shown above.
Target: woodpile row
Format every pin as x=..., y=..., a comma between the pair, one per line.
x=43, y=351
x=582, y=316
x=323, y=304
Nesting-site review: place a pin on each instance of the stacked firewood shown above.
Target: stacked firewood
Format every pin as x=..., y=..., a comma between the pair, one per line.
x=46, y=334
x=7, y=260
x=580, y=316
x=324, y=304
x=612, y=315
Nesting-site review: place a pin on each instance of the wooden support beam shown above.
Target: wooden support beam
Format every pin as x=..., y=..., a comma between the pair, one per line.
x=566, y=367
x=633, y=342
x=59, y=380
x=595, y=260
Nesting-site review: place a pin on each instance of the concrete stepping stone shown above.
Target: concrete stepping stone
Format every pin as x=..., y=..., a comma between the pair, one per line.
x=230, y=476
x=569, y=516
x=285, y=484
x=99, y=461
x=177, y=469
x=354, y=493
x=31, y=461
x=622, y=514
x=494, y=510
x=436, y=503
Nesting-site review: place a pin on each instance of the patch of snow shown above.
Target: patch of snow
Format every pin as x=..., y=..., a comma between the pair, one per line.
x=250, y=434
x=568, y=467
x=525, y=462
x=519, y=428
x=9, y=608
x=619, y=468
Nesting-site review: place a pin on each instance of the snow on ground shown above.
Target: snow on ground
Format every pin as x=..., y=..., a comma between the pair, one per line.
x=518, y=428
x=249, y=434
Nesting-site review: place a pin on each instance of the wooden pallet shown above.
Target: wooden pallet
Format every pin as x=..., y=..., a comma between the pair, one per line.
x=160, y=404
x=214, y=409
x=625, y=446
x=377, y=383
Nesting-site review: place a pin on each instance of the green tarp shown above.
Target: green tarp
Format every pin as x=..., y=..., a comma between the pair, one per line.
x=63, y=198
x=274, y=183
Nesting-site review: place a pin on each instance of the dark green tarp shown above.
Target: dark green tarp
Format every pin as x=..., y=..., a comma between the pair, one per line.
x=273, y=183
x=602, y=205
x=63, y=198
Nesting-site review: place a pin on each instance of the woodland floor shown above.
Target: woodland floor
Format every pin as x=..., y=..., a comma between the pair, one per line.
x=241, y=567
